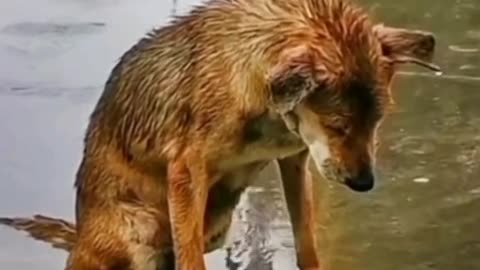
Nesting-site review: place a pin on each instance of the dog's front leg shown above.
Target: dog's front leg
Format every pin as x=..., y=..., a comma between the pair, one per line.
x=187, y=197
x=297, y=185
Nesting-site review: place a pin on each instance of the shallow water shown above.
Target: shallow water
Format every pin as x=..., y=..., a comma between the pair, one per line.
x=55, y=56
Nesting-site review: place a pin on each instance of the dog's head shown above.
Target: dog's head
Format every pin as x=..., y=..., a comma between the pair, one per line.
x=333, y=89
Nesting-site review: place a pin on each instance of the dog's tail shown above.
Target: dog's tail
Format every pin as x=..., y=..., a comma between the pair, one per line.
x=59, y=233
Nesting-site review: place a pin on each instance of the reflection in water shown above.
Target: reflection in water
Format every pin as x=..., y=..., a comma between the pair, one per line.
x=422, y=215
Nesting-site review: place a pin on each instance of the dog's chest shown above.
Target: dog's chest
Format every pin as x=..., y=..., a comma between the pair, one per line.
x=242, y=177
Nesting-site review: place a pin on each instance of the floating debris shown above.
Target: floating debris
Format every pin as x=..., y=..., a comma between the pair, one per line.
x=475, y=191
x=457, y=48
x=421, y=180
x=467, y=67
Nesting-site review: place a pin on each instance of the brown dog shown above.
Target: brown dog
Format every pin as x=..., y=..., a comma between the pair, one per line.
x=195, y=109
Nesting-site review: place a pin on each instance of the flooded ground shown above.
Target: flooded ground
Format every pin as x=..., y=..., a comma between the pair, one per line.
x=55, y=56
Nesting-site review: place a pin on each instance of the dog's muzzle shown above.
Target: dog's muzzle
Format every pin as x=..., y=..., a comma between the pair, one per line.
x=363, y=181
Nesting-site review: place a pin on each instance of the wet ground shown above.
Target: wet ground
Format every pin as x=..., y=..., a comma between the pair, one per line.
x=55, y=56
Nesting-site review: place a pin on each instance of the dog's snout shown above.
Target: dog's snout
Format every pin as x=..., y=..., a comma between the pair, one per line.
x=363, y=181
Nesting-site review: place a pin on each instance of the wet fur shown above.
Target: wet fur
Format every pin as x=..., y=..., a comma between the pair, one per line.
x=194, y=110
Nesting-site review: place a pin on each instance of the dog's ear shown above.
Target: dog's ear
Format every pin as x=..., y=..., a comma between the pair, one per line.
x=290, y=88
x=407, y=46
x=292, y=80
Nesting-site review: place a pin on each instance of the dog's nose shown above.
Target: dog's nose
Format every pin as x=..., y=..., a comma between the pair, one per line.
x=363, y=182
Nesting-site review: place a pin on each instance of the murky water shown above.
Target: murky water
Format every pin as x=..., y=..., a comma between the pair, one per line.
x=55, y=56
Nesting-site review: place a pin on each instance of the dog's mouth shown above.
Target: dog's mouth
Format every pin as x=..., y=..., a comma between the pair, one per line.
x=360, y=185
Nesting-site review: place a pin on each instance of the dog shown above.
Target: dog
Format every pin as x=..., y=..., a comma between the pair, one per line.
x=196, y=108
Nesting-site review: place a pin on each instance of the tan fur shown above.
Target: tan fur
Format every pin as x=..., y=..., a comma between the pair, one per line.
x=196, y=108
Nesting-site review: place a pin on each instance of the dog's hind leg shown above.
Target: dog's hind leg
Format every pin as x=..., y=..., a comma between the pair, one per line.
x=120, y=237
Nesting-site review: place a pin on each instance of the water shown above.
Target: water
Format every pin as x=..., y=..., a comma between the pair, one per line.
x=55, y=56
